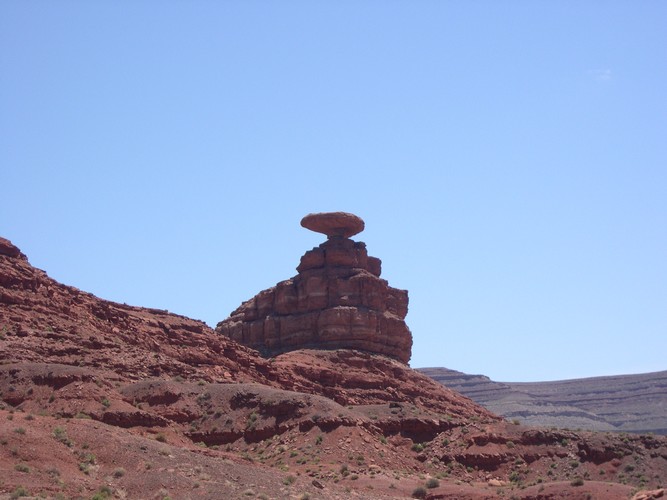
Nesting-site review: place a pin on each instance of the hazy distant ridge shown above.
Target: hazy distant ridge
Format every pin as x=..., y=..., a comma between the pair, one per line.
x=628, y=403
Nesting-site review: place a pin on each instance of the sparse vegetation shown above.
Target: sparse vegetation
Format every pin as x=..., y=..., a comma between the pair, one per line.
x=103, y=493
x=577, y=481
x=419, y=492
x=19, y=492
x=22, y=468
x=61, y=436
x=87, y=461
x=418, y=447
x=432, y=483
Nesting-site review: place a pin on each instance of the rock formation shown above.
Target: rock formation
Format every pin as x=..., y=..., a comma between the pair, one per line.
x=621, y=403
x=151, y=390
x=337, y=300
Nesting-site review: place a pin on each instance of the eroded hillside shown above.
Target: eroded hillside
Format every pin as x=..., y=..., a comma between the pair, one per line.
x=105, y=399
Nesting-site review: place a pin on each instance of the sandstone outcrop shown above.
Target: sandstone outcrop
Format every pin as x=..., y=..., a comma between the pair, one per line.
x=337, y=300
x=334, y=224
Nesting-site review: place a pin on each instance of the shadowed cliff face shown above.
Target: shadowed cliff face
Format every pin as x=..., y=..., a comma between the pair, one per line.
x=337, y=300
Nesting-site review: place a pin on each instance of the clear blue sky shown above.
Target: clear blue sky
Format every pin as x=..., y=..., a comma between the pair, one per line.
x=509, y=159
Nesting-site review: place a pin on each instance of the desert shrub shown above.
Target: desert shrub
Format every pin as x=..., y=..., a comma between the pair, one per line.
x=61, y=435
x=418, y=447
x=432, y=483
x=19, y=492
x=289, y=480
x=102, y=494
x=119, y=472
x=22, y=468
x=252, y=420
x=419, y=492
x=577, y=481
x=161, y=438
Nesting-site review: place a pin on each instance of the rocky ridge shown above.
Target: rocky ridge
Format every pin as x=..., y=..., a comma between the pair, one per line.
x=623, y=403
x=337, y=300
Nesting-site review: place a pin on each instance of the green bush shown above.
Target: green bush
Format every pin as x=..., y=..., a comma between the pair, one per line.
x=432, y=483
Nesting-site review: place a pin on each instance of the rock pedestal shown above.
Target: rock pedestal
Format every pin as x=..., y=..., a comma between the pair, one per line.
x=336, y=301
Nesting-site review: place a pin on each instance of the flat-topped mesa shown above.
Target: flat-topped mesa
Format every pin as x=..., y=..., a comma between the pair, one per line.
x=336, y=301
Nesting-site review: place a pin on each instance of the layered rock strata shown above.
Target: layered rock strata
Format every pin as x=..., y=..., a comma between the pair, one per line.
x=337, y=300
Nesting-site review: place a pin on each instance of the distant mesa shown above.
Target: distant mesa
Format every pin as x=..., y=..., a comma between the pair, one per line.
x=334, y=224
x=336, y=301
